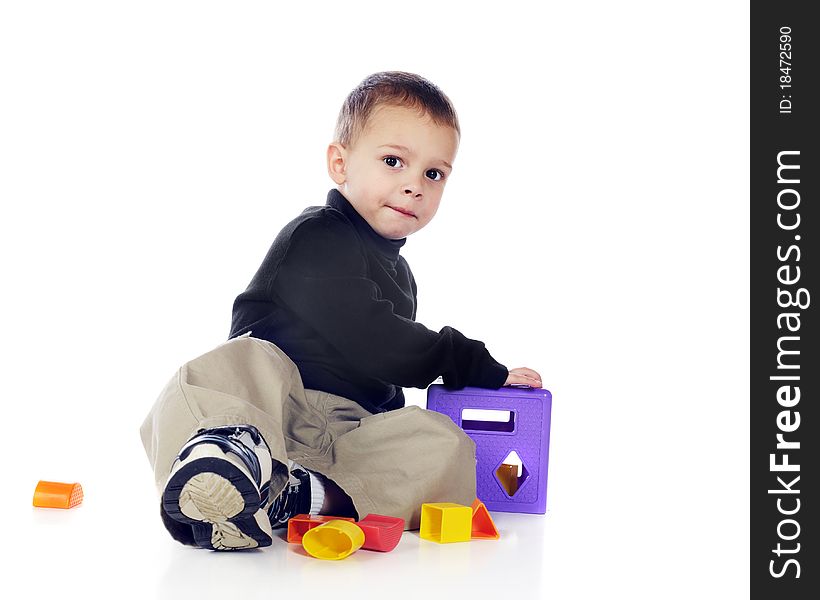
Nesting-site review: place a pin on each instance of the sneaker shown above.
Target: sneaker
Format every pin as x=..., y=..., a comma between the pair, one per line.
x=296, y=498
x=219, y=485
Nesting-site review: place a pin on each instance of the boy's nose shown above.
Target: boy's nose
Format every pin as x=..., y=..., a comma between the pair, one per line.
x=412, y=191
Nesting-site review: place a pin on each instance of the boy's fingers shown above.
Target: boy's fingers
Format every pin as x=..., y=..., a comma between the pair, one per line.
x=524, y=371
x=523, y=376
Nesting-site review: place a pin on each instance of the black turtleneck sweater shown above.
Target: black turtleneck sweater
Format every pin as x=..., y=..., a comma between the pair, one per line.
x=340, y=301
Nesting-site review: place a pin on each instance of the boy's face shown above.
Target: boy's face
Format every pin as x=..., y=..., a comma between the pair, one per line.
x=394, y=172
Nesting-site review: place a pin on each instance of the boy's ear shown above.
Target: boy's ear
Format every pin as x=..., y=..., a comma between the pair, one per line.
x=336, y=162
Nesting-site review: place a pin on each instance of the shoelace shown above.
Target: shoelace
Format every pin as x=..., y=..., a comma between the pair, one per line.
x=228, y=440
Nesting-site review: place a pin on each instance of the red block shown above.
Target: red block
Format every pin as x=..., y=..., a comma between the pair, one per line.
x=381, y=533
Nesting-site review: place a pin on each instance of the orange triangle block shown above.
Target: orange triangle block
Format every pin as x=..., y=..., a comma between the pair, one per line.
x=483, y=526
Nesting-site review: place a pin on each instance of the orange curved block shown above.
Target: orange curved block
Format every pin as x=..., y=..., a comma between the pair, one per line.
x=52, y=494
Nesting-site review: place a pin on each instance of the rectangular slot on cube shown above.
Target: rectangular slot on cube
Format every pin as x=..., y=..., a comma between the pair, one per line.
x=481, y=419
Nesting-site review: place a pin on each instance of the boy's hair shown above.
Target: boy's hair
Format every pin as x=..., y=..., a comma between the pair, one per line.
x=396, y=88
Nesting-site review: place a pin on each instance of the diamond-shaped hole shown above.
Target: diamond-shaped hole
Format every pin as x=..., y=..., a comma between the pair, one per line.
x=512, y=473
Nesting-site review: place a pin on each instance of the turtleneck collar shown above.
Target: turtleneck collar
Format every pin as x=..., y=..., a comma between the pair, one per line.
x=387, y=248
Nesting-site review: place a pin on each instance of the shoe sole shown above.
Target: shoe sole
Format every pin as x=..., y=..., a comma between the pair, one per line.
x=220, y=502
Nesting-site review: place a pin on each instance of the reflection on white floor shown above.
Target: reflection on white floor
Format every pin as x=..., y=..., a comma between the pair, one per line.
x=426, y=568
x=114, y=544
x=606, y=535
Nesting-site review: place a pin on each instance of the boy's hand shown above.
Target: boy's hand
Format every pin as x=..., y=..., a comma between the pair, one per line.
x=523, y=376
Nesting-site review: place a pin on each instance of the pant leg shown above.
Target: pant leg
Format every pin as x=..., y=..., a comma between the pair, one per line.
x=390, y=463
x=243, y=381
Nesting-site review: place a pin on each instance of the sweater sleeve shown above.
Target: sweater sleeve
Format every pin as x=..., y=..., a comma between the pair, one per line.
x=323, y=280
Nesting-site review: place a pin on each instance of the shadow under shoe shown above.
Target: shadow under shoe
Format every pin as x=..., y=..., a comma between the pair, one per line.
x=218, y=487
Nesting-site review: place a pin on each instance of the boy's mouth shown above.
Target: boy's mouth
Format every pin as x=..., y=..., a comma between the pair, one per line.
x=407, y=213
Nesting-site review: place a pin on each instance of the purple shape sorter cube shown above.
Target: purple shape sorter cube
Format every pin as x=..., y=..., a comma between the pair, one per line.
x=503, y=423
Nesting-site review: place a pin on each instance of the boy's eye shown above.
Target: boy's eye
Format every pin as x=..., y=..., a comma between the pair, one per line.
x=395, y=162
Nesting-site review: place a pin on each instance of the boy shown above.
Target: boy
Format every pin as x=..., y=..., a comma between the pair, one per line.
x=302, y=410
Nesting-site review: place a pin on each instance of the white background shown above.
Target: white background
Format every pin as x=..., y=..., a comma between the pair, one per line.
x=595, y=229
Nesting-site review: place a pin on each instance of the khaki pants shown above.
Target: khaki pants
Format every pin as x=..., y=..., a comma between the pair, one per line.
x=388, y=463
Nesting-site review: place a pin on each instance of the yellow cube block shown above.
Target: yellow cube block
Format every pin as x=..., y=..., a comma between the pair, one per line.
x=446, y=522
